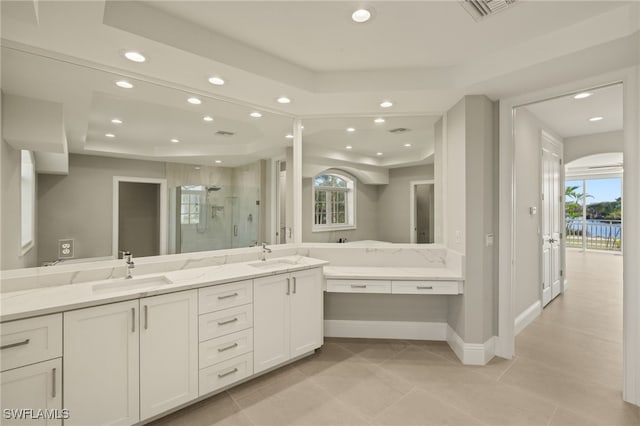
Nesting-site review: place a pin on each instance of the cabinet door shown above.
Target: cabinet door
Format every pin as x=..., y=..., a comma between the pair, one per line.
x=271, y=321
x=306, y=311
x=168, y=351
x=38, y=387
x=101, y=365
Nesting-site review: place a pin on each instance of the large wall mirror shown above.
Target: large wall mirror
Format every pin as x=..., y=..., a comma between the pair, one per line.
x=135, y=165
x=369, y=179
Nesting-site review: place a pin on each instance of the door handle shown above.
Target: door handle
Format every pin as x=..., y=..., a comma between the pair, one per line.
x=146, y=317
x=288, y=286
x=294, y=285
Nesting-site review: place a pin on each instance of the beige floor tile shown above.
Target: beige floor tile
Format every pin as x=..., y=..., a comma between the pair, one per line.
x=362, y=385
x=497, y=403
x=597, y=402
x=373, y=350
x=302, y=404
x=325, y=357
x=217, y=410
x=420, y=408
x=566, y=417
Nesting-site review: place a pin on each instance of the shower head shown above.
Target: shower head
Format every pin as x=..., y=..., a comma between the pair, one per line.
x=213, y=188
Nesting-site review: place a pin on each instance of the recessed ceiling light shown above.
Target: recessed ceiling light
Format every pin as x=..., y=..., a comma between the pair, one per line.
x=218, y=161
x=350, y=129
x=386, y=104
x=207, y=118
x=289, y=136
x=283, y=100
x=174, y=140
x=598, y=118
x=216, y=81
x=197, y=167
x=195, y=101
x=348, y=147
x=379, y=120
x=255, y=114
x=116, y=121
x=361, y=16
x=407, y=145
x=378, y=153
x=110, y=135
x=124, y=84
x=135, y=56
x=582, y=95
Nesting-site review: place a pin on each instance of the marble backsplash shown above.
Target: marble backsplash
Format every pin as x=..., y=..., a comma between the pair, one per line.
x=400, y=255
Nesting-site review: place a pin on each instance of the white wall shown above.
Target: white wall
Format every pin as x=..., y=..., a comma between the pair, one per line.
x=394, y=215
x=80, y=205
x=439, y=178
x=598, y=143
x=528, y=130
x=455, y=175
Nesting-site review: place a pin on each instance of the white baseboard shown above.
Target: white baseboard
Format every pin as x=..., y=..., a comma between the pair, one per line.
x=386, y=329
x=527, y=317
x=471, y=353
x=566, y=285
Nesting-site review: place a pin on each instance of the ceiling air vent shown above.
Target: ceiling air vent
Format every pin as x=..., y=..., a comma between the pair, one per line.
x=399, y=130
x=224, y=133
x=481, y=9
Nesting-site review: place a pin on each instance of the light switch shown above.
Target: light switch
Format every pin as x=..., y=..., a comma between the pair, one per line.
x=489, y=240
x=65, y=249
x=533, y=210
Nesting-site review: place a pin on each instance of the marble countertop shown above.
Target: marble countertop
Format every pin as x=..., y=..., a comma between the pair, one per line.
x=391, y=273
x=47, y=300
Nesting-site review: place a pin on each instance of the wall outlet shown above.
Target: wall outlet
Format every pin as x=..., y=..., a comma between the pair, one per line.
x=489, y=240
x=458, y=237
x=65, y=249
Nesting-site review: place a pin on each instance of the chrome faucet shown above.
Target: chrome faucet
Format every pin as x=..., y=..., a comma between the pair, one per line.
x=265, y=250
x=128, y=258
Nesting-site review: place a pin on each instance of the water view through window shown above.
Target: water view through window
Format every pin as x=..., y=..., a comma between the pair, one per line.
x=593, y=211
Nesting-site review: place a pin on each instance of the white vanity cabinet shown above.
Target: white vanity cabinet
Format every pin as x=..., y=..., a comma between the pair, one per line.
x=287, y=317
x=125, y=362
x=32, y=370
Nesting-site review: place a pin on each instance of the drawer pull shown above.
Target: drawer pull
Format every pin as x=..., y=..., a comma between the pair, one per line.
x=227, y=296
x=235, y=370
x=228, y=321
x=425, y=287
x=226, y=348
x=288, y=286
x=13, y=345
x=53, y=383
x=358, y=286
x=133, y=320
x=146, y=317
x=294, y=285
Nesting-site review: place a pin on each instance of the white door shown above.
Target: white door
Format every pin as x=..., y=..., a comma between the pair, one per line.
x=551, y=218
x=36, y=386
x=306, y=311
x=168, y=351
x=101, y=365
x=271, y=321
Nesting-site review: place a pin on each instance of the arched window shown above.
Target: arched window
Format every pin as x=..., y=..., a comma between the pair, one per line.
x=333, y=202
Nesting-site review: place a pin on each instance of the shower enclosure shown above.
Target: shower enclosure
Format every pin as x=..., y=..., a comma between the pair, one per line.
x=213, y=217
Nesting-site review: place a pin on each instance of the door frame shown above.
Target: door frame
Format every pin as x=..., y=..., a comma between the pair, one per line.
x=162, y=206
x=413, y=239
x=561, y=219
x=505, y=344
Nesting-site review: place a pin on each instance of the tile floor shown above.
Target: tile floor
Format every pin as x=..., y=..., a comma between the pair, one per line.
x=568, y=371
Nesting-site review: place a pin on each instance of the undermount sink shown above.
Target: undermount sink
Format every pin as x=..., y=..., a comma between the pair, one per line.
x=131, y=284
x=272, y=263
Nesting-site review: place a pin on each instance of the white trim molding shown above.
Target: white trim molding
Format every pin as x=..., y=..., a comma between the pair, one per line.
x=527, y=316
x=386, y=329
x=471, y=353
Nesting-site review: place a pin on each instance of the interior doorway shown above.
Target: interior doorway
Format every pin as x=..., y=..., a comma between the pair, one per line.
x=421, y=200
x=139, y=216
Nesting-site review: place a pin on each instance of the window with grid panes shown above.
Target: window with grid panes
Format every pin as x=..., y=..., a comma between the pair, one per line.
x=333, y=196
x=189, y=208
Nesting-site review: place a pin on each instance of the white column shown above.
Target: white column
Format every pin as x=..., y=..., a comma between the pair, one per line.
x=297, y=181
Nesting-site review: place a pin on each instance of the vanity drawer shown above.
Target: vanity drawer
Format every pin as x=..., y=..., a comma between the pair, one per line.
x=215, y=298
x=31, y=340
x=358, y=286
x=425, y=287
x=227, y=372
x=226, y=347
x=225, y=322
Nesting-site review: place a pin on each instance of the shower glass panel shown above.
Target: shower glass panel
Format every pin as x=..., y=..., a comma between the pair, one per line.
x=213, y=217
